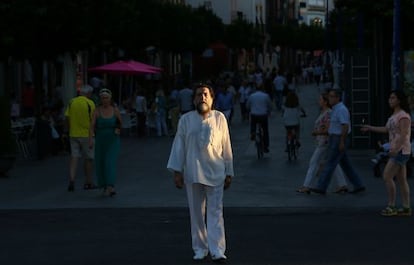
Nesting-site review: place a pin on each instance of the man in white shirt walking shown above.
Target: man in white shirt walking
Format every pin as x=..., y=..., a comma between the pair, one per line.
x=202, y=159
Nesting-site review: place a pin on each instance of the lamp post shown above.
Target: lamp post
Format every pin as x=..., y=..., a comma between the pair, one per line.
x=396, y=59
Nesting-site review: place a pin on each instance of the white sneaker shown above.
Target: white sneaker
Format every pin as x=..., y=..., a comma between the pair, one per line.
x=200, y=255
x=375, y=161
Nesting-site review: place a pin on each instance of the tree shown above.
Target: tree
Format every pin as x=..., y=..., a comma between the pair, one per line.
x=242, y=34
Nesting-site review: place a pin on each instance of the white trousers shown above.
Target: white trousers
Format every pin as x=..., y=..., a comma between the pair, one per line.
x=315, y=161
x=207, y=232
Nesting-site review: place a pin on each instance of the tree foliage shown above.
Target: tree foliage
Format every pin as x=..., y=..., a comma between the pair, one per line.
x=242, y=34
x=47, y=28
x=298, y=36
x=354, y=19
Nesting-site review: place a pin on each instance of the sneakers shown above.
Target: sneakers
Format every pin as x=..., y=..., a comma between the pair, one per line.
x=375, y=161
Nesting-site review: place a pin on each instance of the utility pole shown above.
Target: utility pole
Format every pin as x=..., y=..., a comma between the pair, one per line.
x=396, y=56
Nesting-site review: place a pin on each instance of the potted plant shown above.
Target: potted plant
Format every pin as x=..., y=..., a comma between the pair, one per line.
x=8, y=142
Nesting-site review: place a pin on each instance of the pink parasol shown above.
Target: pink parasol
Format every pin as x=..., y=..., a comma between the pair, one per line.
x=130, y=67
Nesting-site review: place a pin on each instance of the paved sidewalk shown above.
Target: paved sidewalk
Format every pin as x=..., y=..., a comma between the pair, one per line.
x=143, y=180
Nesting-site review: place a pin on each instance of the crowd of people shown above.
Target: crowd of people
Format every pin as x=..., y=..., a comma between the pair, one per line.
x=200, y=115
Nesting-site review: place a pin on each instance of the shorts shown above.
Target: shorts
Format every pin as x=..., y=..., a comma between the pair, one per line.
x=80, y=147
x=400, y=159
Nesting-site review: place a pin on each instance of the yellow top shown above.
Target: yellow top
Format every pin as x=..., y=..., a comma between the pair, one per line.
x=79, y=114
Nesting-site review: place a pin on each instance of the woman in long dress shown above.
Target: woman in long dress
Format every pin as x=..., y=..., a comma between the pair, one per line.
x=106, y=126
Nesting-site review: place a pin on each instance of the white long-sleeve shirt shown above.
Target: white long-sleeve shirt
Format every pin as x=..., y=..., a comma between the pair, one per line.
x=201, y=149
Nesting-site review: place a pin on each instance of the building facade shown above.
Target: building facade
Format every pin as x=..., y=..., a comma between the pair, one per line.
x=268, y=11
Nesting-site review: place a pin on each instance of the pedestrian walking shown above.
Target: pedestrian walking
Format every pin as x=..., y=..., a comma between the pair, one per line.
x=185, y=99
x=106, y=126
x=243, y=95
x=338, y=141
x=398, y=128
x=161, y=111
x=141, y=111
x=78, y=116
x=279, y=83
x=201, y=158
x=224, y=102
x=320, y=132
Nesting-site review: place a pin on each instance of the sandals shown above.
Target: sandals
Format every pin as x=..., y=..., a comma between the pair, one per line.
x=109, y=191
x=389, y=211
x=404, y=211
x=89, y=186
x=304, y=190
x=392, y=211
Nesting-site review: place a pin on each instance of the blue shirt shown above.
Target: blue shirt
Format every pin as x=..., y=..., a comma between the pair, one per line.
x=279, y=83
x=259, y=103
x=224, y=101
x=339, y=117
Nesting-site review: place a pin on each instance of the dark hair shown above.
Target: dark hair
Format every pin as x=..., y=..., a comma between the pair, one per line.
x=202, y=85
x=325, y=98
x=403, y=100
x=292, y=100
x=337, y=92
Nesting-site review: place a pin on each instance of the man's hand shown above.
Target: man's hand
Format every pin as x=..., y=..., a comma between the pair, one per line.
x=227, y=182
x=341, y=146
x=178, y=180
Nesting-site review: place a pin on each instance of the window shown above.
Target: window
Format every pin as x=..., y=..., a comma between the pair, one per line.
x=319, y=3
x=207, y=5
x=317, y=21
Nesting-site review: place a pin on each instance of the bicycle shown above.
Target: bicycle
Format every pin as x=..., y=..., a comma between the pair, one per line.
x=291, y=144
x=259, y=141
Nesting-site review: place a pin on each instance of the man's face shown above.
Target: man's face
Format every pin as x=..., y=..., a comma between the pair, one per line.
x=333, y=98
x=203, y=100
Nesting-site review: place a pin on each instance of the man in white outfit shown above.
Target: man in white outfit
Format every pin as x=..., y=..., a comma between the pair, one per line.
x=201, y=158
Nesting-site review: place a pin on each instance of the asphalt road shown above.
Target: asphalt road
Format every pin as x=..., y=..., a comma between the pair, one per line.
x=255, y=236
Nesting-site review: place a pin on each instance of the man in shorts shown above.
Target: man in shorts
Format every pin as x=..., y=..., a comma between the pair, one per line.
x=78, y=117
